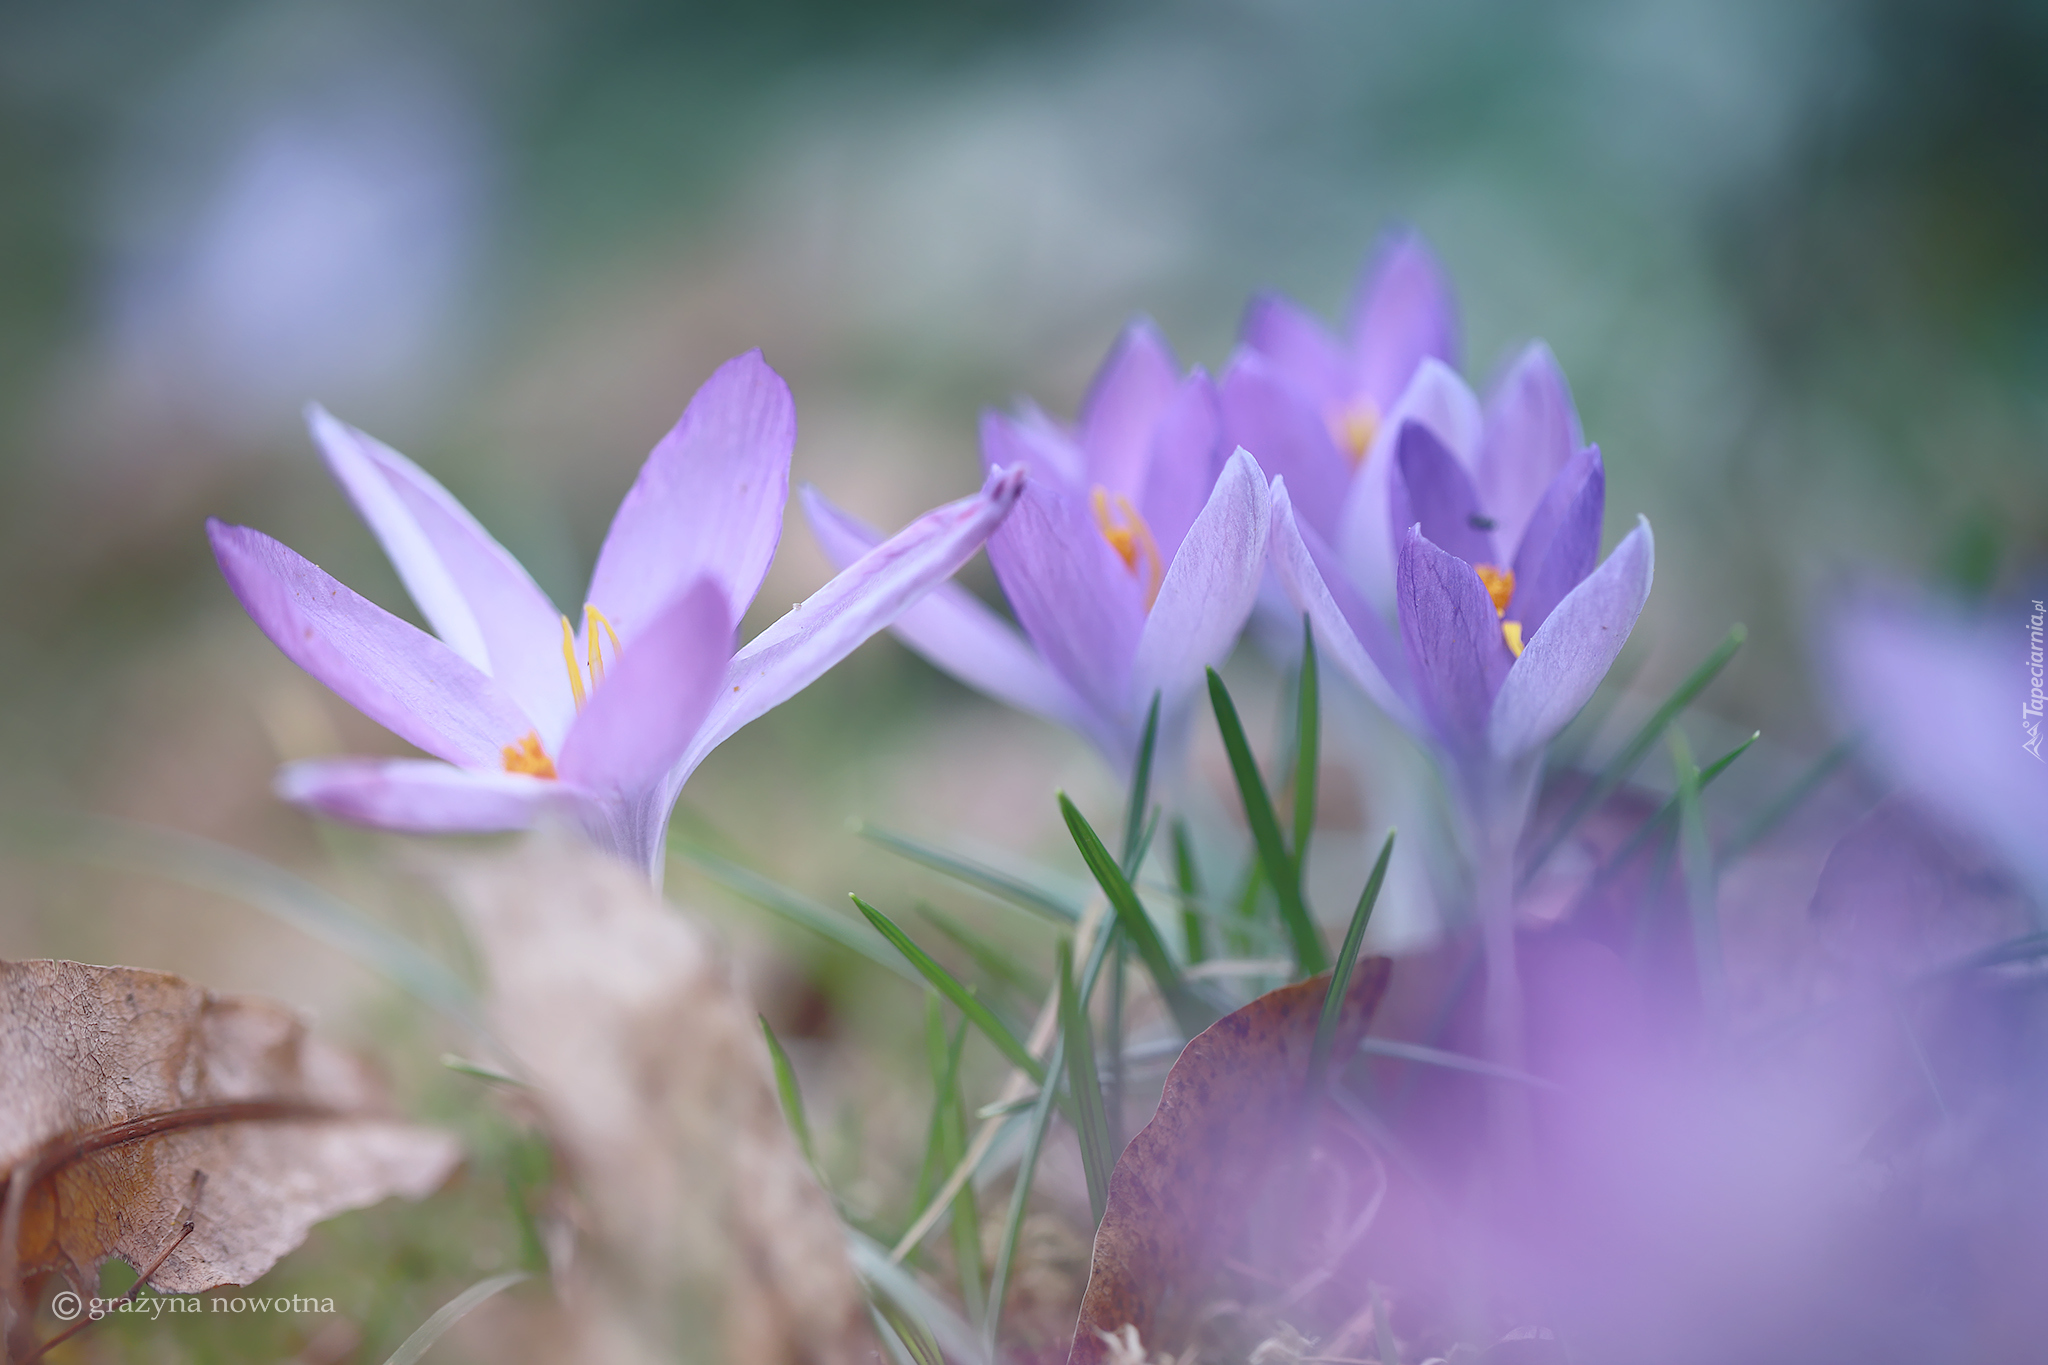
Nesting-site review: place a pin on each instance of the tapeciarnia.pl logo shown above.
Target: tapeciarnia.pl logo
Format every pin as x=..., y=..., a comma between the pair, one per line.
x=2030, y=714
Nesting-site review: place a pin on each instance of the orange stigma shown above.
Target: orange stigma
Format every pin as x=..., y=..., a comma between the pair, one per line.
x=1500, y=586
x=528, y=757
x=1353, y=426
x=593, y=650
x=1131, y=538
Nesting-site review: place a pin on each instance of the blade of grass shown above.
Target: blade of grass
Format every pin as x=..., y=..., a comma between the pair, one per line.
x=949, y=1120
x=1141, y=794
x=963, y=999
x=1020, y=1194
x=1091, y=1123
x=1696, y=857
x=448, y=1314
x=931, y=1313
x=1452, y=1061
x=1768, y=819
x=1188, y=879
x=1340, y=975
x=1011, y=890
x=792, y=1098
x=895, y=1339
x=1308, y=721
x=798, y=910
x=1190, y=1012
x=1668, y=812
x=1281, y=870
x=1638, y=746
x=999, y=964
x=1382, y=1329
x=935, y=1050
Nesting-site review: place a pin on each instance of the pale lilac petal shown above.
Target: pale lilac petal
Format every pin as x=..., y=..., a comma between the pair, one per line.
x=1186, y=458
x=1348, y=632
x=1453, y=639
x=1562, y=541
x=654, y=697
x=1287, y=432
x=1532, y=431
x=1300, y=347
x=707, y=502
x=1209, y=588
x=1033, y=442
x=1439, y=400
x=477, y=597
x=1432, y=489
x=1072, y=593
x=1123, y=406
x=1948, y=707
x=421, y=796
x=830, y=624
x=1564, y=661
x=955, y=630
x=1402, y=314
x=394, y=673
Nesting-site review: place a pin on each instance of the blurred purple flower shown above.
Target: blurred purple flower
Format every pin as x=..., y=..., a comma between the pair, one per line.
x=1132, y=560
x=529, y=714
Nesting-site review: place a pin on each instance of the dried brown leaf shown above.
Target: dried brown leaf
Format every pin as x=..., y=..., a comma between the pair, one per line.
x=135, y=1101
x=1229, y=1115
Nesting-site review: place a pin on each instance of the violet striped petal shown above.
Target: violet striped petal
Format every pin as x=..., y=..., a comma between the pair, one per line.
x=1347, y=630
x=1453, y=639
x=654, y=697
x=1432, y=489
x=1532, y=432
x=396, y=674
x=1564, y=661
x=1562, y=542
x=707, y=502
x=420, y=796
x=1123, y=406
x=1402, y=314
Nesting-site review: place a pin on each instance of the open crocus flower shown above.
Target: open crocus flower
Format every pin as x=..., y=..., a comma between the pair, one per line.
x=1131, y=561
x=598, y=721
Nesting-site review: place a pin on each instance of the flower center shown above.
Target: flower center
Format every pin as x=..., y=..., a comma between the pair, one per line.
x=1353, y=426
x=1131, y=538
x=1500, y=589
x=528, y=757
x=592, y=619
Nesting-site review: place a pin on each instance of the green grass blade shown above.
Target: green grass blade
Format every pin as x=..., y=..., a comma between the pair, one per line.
x=989, y=880
x=1452, y=1061
x=1340, y=975
x=931, y=1314
x=1767, y=819
x=450, y=1313
x=798, y=910
x=1189, y=1011
x=1308, y=739
x=792, y=1098
x=998, y=964
x=1281, y=869
x=1135, y=835
x=935, y=1051
x=963, y=999
x=949, y=1122
x=1668, y=812
x=1091, y=1123
x=1020, y=1195
x=1638, y=746
x=895, y=1339
x=1696, y=857
x=1188, y=880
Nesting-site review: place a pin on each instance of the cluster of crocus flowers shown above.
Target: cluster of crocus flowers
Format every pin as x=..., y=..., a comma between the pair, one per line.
x=598, y=721
x=1131, y=560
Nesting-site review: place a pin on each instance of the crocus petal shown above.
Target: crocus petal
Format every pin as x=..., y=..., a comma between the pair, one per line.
x=1123, y=405
x=1571, y=652
x=1288, y=434
x=1453, y=640
x=707, y=502
x=1403, y=313
x=654, y=698
x=478, y=598
x=1562, y=542
x=1077, y=600
x=420, y=796
x=1432, y=489
x=1347, y=630
x=1532, y=431
x=1438, y=399
x=1033, y=442
x=394, y=673
x=1209, y=587
x=955, y=630
x=1299, y=346
x=830, y=624
x=1185, y=460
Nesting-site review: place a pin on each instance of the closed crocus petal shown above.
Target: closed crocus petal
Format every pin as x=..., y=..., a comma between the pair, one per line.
x=1184, y=462
x=1347, y=630
x=1266, y=413
x=1452, y=635
x=1366, y=536
x=1431, y=489
x=1123, y=405
x=1562, y=541
x=420, y=796
x=1564, y=661
x=654, y=698
x=1531, y=433
x=1402, y=314
x=1299, y=346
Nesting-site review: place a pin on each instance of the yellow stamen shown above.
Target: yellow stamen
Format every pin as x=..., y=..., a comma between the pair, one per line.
x=1131, y=538
x=1500, y=586
x=528, y=757
x=1511, y=631
x=569, y=658
x=1353, y=426
x=592, y=619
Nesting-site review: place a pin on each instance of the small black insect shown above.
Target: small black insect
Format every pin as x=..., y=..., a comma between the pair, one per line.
x=1480, y=521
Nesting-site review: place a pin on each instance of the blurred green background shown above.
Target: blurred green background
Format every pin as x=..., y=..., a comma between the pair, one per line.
x=1793, y=258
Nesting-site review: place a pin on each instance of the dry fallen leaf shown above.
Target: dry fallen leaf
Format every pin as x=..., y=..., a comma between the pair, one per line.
x=705, y=1235
x=136, y=1102
x=1183, y=1190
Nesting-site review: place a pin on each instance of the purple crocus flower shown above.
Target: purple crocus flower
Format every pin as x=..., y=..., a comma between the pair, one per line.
x=1131, y=561
x=601, y=721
